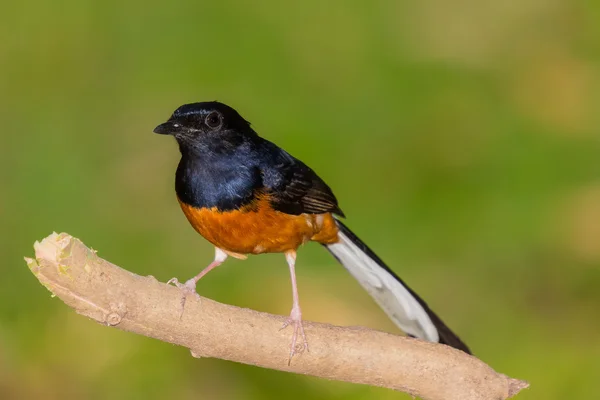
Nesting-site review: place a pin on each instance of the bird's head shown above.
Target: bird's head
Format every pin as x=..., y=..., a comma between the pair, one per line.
x=208, y=124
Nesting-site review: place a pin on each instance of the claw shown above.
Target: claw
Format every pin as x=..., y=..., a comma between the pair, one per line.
x=187, y=288
x=295, y=318
x=173, y=281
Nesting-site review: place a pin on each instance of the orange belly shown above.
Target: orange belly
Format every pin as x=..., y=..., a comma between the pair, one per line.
x=259, y=228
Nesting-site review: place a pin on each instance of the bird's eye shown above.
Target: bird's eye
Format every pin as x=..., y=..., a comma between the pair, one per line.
x=213, y=120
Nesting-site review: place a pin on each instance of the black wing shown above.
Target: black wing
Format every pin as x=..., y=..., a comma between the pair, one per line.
x=294, y=187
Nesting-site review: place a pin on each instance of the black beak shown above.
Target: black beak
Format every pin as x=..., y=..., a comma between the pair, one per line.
x=167, y=128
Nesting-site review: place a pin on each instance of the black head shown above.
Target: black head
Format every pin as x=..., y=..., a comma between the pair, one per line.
x=198, y=124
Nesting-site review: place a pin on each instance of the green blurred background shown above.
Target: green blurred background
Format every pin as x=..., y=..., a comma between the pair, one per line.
x=462, y=140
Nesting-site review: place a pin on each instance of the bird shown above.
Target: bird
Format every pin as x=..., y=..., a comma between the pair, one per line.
x=246, y=195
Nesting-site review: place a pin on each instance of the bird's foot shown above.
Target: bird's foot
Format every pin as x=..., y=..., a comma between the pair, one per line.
x=187, y=288
x=295, y=319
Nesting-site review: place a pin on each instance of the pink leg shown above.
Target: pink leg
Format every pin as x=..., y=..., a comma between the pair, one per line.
x=189, y=287
x=295, y=317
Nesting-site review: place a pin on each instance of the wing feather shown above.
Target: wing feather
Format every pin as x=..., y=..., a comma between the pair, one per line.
x=296, y=189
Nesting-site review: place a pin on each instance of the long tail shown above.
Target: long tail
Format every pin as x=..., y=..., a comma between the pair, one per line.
x=400, y=303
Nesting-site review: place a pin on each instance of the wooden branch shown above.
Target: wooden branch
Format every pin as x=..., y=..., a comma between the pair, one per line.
x=115, y=297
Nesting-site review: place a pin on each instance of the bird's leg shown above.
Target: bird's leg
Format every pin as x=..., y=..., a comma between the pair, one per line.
x=189, y=287
x=295, y=317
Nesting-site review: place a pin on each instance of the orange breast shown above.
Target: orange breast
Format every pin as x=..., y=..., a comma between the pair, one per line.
x=259, y=228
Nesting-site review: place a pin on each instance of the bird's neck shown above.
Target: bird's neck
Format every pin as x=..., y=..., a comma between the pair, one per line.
x=225, y=183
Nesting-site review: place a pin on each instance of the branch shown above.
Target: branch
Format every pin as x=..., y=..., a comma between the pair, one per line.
x=115, y=297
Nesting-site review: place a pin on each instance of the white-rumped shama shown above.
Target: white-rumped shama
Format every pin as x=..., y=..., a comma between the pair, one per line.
x=246, y=195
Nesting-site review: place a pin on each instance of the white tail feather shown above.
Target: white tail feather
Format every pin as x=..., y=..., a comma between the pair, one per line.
x=398, y=303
